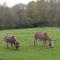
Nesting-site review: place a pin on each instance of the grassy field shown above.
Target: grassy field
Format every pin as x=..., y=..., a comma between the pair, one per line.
x=28, y=52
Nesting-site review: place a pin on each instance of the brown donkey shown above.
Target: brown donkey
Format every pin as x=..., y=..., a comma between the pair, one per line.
x=42, y=36
x=12, y=41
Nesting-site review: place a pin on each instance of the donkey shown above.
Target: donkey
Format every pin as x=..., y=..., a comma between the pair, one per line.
x=42, y=36
x=12, y=41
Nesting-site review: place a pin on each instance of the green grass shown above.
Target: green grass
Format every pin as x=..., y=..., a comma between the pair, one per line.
x=28, y=52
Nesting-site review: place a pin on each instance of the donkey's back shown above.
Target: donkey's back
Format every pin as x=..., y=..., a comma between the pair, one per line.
x=10, y=39
x=41, y=36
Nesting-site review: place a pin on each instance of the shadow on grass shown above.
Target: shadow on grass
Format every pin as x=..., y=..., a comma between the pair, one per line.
x=11, y=49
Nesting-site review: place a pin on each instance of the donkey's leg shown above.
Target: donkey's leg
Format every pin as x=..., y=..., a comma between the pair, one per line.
x=35, y=42
x=11, y=45
x=44, y=43
x=7, y=45
x=14, y=45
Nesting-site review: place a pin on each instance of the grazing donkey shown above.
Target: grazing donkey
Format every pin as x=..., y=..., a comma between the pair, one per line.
x=42, y=36
x=12, y=41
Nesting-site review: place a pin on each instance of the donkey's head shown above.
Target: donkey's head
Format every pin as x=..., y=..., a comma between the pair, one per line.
x=17, y=45
x=50, y=43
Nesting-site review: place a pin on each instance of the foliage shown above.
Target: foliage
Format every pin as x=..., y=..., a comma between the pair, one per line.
x=34, y=14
